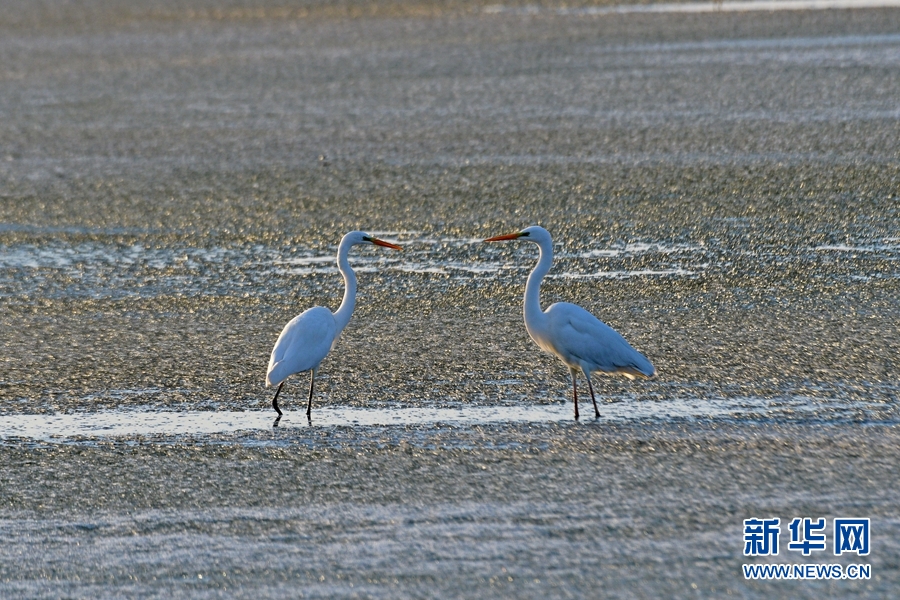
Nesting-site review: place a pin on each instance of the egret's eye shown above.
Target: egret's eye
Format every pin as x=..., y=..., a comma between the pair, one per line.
x=525, y=234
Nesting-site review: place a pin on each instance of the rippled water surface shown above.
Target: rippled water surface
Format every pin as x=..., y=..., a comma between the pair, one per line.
x=722, y=188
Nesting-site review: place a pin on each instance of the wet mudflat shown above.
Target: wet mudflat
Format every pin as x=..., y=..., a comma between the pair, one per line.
x=561, y=509
x=722, y=189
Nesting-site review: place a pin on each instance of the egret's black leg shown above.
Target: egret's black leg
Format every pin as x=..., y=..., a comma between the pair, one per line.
x=275, y=399
x=575, y=394
x=594, y=400
x=312, y=381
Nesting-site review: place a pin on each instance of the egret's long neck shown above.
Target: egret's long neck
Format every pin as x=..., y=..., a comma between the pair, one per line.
x=534, y=316
x=345, y=310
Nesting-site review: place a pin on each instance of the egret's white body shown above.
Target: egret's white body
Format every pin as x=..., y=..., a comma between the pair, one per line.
x=304, y=342
x=579, y=339
x=308, y=338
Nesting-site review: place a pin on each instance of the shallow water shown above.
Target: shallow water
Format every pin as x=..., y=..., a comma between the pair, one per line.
x=113, y=424
x=148, y=421
x=695, y=7
x=174, y=180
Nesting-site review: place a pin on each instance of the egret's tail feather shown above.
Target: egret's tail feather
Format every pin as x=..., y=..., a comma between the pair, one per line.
x=631, y=373
x=640, y=368
x=276, y=374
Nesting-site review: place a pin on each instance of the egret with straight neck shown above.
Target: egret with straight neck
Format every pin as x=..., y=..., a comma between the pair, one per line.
x=582, y=341
x=308, y=338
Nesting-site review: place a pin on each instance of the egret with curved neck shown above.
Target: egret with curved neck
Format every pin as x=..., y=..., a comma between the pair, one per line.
x=579, y=339
x=308, y=338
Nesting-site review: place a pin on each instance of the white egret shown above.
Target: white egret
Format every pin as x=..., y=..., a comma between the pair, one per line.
x=308, y=338
x=578, y=338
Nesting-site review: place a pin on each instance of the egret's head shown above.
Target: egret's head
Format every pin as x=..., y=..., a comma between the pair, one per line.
x=535, y=234
x=361, y=237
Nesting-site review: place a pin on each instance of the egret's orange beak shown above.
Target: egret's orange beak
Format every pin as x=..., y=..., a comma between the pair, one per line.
x=502, y=238
x=378, y=242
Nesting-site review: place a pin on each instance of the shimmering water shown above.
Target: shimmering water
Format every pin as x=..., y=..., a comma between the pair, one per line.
x=695, y=7
x=174, y=180
x=112, y=424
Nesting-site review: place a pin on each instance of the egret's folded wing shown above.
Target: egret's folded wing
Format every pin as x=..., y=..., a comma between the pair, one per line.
x=587, y=338
x=302, y=345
